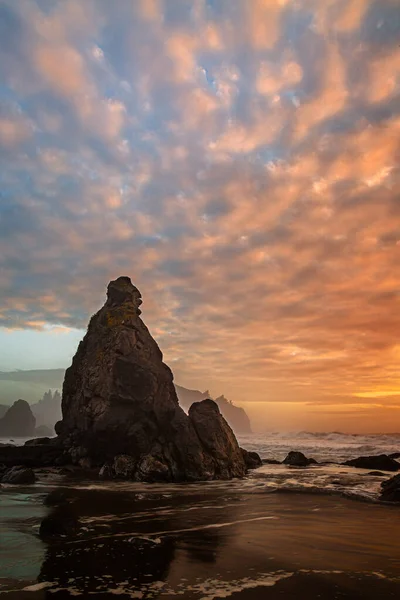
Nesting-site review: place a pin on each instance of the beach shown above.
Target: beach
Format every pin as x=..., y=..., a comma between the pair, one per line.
x=211, y=540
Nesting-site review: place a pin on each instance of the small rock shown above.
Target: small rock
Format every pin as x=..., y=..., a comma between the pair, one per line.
x=40, y=441
x=106, y=472
x=391, y=489
x=153, y=470
x=124, y=466
x=85, y=463
x=18, y=476
x=76, y=453
x=252, y=460
x=270, y=461
x=297, y=459
x=382, y=462
x=376, y=473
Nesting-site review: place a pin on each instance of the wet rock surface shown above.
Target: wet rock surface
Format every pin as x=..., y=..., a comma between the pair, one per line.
x=19, y=475
x=391, y=489
x=298, y=459
x=382, y=462
x=38, y=455
x=252, y=460
x=119, y=399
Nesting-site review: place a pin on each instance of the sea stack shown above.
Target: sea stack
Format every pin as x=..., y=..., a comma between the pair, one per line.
x=120, y=407
x=18, y=421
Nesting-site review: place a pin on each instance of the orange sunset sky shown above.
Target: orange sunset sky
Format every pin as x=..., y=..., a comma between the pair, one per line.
x=239, y=160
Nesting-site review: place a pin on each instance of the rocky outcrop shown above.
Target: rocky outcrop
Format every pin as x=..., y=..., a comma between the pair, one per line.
x=391, y=489
x=18, y=421
x=394, y=455
x=19, y=475
x=119, y=399
x=39, y=455
x=297, y=459
x=382, y=462
x=252, y=460
x=234, y=415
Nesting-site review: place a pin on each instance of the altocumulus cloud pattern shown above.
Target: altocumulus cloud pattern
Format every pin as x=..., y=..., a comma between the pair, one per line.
x=239, y=159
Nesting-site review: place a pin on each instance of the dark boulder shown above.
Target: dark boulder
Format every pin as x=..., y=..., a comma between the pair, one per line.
x=391, y=489
x=119, y=399
x=39, y=441
x=297, y=459
x=19, y=476
x=252, y=460
x=382, y=462
x=40, y=455
x=18, y=421
x=223, y=458
x=394, y=455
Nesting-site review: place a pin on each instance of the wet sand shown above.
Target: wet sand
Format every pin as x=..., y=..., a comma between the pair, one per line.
x=200, y=542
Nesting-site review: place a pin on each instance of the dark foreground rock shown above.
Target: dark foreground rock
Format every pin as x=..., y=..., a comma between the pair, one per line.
x=39, y=441
x=33, y=456
x=382, y=462
x=391, y=489
x=252, y=460
x=119, y=400
x=18, y=421
x=394, y=455
x=19, y=475
x=61, y=522
x=298, y=459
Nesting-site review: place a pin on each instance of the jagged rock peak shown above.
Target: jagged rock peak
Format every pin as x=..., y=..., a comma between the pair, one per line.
x=120, y=408
x=122, y=291
x=18, y=420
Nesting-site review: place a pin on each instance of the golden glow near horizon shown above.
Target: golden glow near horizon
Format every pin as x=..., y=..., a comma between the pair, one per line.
x=240, y=162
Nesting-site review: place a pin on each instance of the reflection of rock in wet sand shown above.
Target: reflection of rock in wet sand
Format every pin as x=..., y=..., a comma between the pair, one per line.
x=128, y=562
x=99, y=540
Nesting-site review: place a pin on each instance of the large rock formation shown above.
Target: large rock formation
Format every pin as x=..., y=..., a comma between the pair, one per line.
x=18, y=421
x=119, y=399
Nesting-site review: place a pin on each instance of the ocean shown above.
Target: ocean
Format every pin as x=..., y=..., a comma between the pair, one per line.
x=282, y=532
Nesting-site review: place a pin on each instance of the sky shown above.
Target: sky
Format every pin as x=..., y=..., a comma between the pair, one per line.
x=239, y=160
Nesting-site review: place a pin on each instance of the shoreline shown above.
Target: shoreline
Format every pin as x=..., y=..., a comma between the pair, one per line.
x=202, y=543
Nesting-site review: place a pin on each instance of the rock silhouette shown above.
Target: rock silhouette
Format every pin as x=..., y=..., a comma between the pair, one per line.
x=234, y=415
x=119, y=399
x=297, y=459
x=381, y=462
x=391, y=489
x=18, y=421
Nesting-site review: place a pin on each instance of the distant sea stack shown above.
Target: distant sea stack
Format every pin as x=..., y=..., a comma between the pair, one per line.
x=120, y=407
x=235, y=415
x=18, y=421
